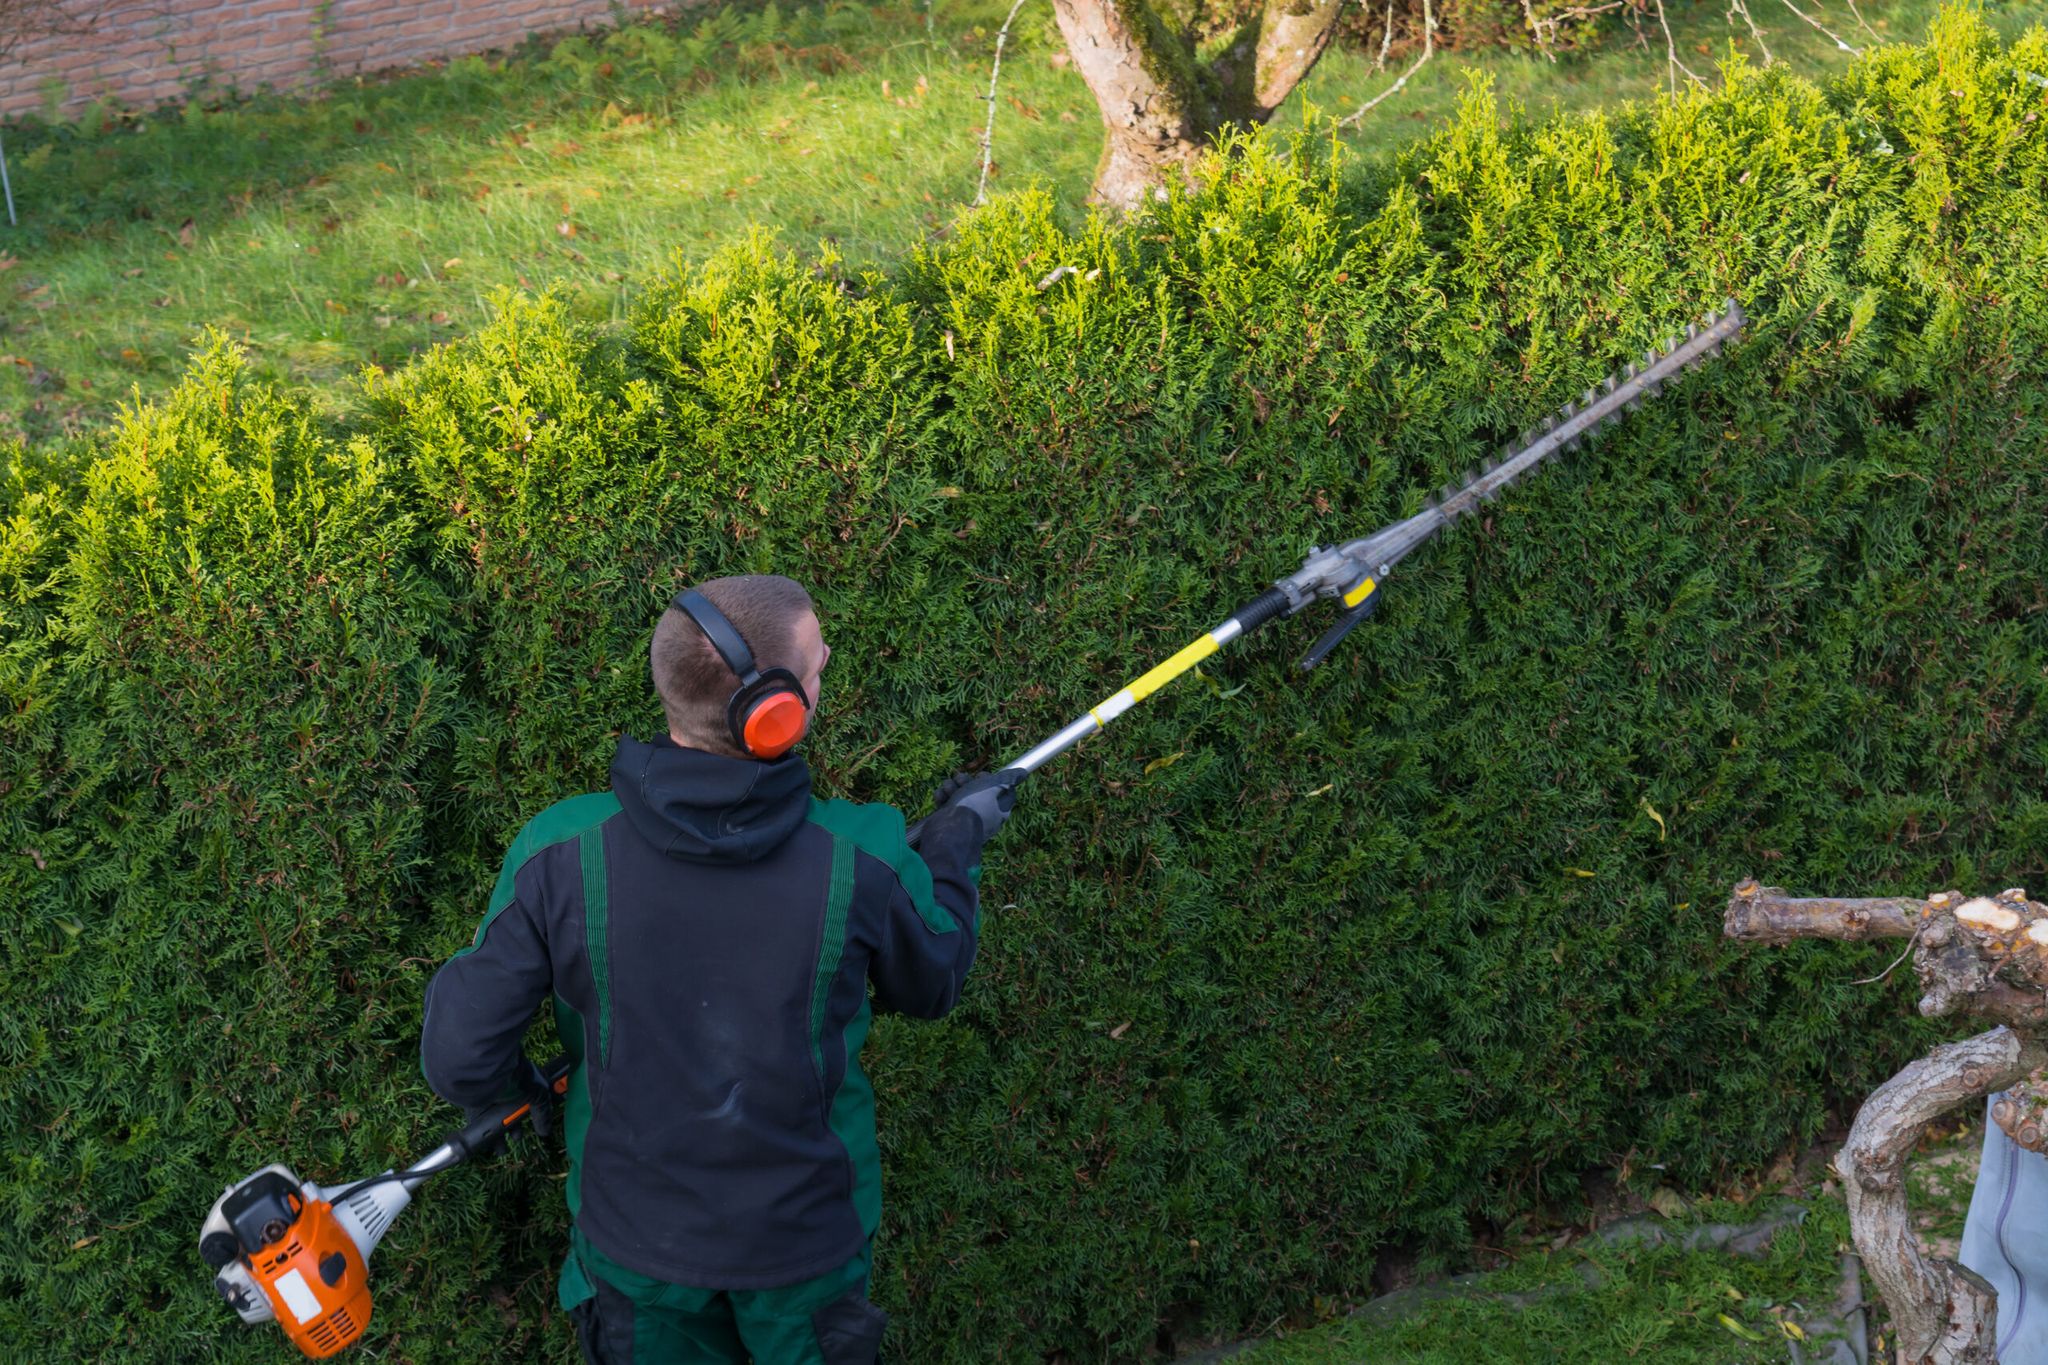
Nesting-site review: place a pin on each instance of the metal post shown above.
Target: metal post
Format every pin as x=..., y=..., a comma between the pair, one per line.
x=4, y=185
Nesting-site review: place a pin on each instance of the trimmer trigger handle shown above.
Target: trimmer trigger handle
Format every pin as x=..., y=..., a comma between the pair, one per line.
x=1335, y=634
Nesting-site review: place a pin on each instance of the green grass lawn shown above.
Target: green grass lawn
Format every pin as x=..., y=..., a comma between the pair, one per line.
x=1585, y=1302
x=367, y=222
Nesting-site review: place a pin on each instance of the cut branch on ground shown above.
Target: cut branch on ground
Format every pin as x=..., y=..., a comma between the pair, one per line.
x=1985, y=956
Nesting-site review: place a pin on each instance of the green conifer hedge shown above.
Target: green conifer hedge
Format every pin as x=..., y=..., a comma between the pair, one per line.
x=1280, y=971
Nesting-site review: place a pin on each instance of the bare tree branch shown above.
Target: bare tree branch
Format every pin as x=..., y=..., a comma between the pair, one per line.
x=1292, y=36
x=988, y=133
x=1673, y=65
x=1737, y=7
x=1386, y=39
x=1853, y=52
x=1765, y=914
x=1428, y=50
x=1866, y=27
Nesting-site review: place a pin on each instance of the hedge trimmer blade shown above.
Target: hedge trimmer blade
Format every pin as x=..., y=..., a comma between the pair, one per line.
x=1377, y=554
x=1606, y=403
x=1352, y=572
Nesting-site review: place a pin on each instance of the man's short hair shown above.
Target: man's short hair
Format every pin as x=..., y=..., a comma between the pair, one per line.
x=693, y=681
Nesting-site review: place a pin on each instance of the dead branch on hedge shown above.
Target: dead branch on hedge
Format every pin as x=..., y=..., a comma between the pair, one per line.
x=1986, y=956
x=988, y=133
x=1428, y=50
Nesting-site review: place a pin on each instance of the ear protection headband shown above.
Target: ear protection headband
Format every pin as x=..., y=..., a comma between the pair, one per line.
x=766, y=714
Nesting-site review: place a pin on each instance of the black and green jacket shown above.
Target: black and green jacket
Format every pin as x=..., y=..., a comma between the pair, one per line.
x=710, y=933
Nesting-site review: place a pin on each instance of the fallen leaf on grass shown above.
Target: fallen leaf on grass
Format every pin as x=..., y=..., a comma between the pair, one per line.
x=1121, y=1029
x=83, y=1242
x=566, y=228
x=451, y=263
x=1323, y=790
x=8, y=263
x=1668, y=1202
x=334, y=307
x=1021, y=107
x=439, y=319
x=1167, y=762
x=1737, y=1328
x=130, y=354
x=187, y=234
x=1651, y=811
x=1581, y=872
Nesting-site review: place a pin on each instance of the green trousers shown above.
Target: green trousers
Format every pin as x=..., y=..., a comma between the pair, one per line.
x=625, y=1318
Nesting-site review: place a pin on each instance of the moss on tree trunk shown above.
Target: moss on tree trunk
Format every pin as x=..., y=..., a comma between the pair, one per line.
x=1160, y=103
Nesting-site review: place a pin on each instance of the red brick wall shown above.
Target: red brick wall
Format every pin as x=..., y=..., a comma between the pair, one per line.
x=142, y=51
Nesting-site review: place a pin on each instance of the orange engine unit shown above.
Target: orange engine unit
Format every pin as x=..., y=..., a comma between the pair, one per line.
x=307, y=1265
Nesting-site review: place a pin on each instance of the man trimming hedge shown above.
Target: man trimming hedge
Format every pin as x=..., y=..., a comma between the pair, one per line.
x=710, y=931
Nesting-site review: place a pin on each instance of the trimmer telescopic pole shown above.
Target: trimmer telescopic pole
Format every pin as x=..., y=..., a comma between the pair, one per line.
x=1352, y=572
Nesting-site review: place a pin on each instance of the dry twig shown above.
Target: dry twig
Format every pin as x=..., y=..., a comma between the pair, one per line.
x=1428, y=50
x=988, y=133
x=1673, y=65
x=1836, y=37
x=1866, y=27
x=1737, y=7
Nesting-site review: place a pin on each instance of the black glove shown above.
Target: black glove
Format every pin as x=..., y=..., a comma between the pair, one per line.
x=540, y=1115
x=989, y=797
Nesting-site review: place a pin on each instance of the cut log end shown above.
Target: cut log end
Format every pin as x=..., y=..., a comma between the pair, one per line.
x=1987, y=916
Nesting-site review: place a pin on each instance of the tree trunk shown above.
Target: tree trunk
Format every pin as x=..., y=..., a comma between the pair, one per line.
x=1986, y=956
x=1945, y=1314
x=1160, y=105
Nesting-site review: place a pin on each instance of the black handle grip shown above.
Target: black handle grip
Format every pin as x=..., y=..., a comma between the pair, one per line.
x=1261, y=609
x=493, y=1125
x=1335, y=634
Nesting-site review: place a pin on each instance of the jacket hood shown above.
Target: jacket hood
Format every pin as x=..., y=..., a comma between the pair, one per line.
x=707, y=808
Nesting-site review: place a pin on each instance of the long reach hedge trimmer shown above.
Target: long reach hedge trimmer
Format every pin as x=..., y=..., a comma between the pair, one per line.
x=1352, y=572
x=297, y=1253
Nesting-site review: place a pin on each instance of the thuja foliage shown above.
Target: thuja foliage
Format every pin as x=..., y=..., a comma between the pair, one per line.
x=1279, y=972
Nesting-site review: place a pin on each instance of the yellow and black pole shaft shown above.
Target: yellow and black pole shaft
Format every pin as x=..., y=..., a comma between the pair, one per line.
x=1351, y=573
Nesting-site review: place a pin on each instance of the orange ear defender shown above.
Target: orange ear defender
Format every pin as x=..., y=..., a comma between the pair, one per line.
x=768, y=712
